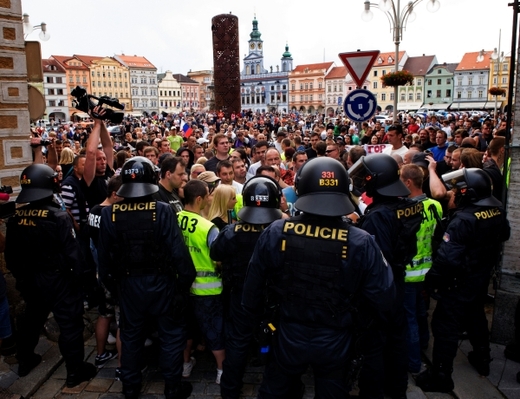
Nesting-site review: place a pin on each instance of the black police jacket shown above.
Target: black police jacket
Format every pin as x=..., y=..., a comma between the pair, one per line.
x=40, y=238
x=165, y=234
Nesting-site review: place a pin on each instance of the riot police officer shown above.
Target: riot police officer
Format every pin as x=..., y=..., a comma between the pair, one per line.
x=460, y=273
x=234, y=247
x=321, y=269
x=44, y=256
x=394, y=221
x=142, y=251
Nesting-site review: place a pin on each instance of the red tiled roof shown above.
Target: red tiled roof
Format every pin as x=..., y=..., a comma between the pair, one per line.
x=47, y=63
x=135, y=61
x=337, y=72
x=63, y=59
x=418, y=66
x=384, y=57
x=469, y=61
x=313, y=67
x=87, y=59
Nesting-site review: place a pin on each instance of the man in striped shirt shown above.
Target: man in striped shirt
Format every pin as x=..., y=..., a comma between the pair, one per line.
x=73, y=195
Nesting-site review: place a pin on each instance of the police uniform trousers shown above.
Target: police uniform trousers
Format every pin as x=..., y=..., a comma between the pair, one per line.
x=60, y=294
x=385, y=365
x=142, y=297
x=239, y=330
x=462, y=306
x=296, y=347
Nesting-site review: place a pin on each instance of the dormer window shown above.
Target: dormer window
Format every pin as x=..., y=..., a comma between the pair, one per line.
x=390, y=60
x=379, y=60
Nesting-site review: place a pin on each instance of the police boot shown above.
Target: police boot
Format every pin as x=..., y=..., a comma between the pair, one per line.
x=480, y=359
x=131, y=391
x=84, y=373
x=512, y=352
x=26, y=365
x=180, y=390
x=435, y=379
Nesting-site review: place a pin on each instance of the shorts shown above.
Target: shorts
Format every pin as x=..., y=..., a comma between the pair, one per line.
x=5, y=321
x=106, y=305
x=209, y=312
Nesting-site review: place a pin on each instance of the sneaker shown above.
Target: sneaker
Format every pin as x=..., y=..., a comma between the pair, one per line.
x=219, y=376
x=118, y=374
x=111, y=339
x=85, y=372
x=103, y=359
x=25, y=366
x=188, y=367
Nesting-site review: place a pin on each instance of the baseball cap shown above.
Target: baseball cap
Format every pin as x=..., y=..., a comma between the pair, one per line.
x=202, y=140
x=420, y=159
x=208, y=177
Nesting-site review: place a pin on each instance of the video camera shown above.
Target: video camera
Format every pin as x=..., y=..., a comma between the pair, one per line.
x=85, y=102
x=7, y=209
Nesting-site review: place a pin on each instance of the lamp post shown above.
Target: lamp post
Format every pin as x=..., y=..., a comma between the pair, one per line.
x=28, y=28
x=498, y=57
x=398, y=18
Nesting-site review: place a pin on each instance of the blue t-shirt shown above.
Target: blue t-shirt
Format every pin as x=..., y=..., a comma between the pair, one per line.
x=438, y=152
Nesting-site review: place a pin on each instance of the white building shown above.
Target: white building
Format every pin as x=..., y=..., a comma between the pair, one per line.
x=143, y=84
x=55, y=91
x=169, y=93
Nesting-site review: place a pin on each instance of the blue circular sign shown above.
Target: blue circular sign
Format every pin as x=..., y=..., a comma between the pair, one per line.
x=360, y=105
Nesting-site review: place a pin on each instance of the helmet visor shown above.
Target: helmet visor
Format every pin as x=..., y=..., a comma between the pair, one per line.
x=454, y=179
x=359, y=175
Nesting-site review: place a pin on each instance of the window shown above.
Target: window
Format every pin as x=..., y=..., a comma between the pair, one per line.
x=439, y=71
x=306, y=86
x=284, y=87
x=429, y=94
x=448, y=92
x=50, y=92
x=504, y=80
x=383, y=96
x=329, y=88
x=438, y=95
x=92, y=73
x=419, y=82
x=439, y=81
x=374, y=85
x=418, y=96
x=459, y=94
x=391, y=96
x=310, y=86
x=50, y=79
x=470, y=94
x=335, y=88
x=59, y=92
x=481, y=80
x=495, y=80
x=470, y=80
x=293, y=86
x=301, y=86
x=301, y=98
x=403, y=96
x=429, y=82
x=59, y=80
x=459, y=81
x=77, y=79
x=293, y=98
x=98, y=74
x=52, y=103
x=410, y=96
x=320, y=96
x=311, y=97
x=319, y=85
x=384, y=72
x=448, y=81
x=375, y=73
x=480, y=94
x=505, y=67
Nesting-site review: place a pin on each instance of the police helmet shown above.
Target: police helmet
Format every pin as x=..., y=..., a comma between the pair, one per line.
x=473, y=185
x=261, y=196
x=139, y=178
x=378, y=173
x=38, y=181
x=322, y=185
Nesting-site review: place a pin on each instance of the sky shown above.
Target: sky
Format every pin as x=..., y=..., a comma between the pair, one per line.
x=176, y=35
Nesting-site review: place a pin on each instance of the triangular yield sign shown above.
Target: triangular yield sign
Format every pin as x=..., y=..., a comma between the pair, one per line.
x=359, y=64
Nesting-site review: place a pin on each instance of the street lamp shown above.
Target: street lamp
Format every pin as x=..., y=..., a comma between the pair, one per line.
x=498, y=57
x=28, y=28
x=398, y=18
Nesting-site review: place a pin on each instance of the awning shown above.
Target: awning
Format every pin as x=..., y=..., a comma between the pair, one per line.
x=468, y=105
x=136, y=113
x=81, y=114
x=409, y=106
x=437, y=106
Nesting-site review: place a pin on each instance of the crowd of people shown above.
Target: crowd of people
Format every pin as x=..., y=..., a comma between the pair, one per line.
x=331, y=236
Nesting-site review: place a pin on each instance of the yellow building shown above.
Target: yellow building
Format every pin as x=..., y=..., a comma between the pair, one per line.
x=383, y=64
x=206, y=92
x=108, y=77
x=499, y=77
